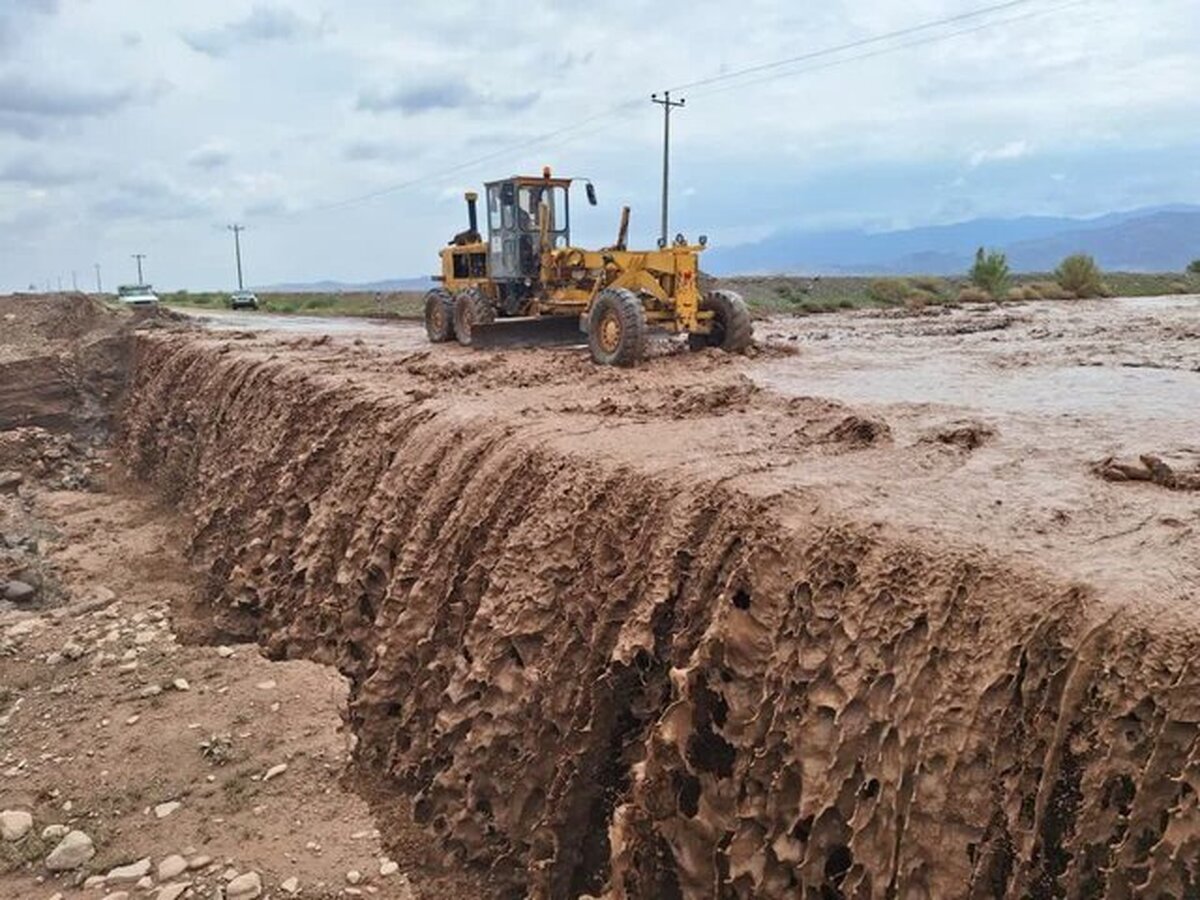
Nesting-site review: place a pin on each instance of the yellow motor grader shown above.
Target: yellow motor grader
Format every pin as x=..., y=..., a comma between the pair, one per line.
x=526, y=284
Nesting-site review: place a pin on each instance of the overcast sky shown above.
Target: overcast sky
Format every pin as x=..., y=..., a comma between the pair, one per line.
x=135, y=126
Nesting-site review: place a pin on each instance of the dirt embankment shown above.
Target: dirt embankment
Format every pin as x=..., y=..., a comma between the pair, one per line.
x=600, y=667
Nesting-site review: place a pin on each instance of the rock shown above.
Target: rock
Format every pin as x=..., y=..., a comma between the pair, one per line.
x=172, y=891
x=72, y=851
x=275, y=771
x=145, y=883
x=172, y=867
x=93, y=881
x=10, y=481
x=73, y=651
x=165, y=809
x=181, y=684
x=353, y=876
x=199, y=862
x=290, y=886
x=117, y=895
x=224, y=652
x=54, y=832
x=244, y=887
x=131, y=872
x=150, y=690
x=387, y=867
x=15, y=824
x=268, y=685
x=19, y=592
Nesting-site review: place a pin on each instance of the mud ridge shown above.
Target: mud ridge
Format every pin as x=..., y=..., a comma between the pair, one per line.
x=594, y=678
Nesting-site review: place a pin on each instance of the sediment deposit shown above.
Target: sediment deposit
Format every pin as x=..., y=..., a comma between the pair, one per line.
x=669, y=633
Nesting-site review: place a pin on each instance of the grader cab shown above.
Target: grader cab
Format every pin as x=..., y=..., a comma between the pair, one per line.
x=526, y=284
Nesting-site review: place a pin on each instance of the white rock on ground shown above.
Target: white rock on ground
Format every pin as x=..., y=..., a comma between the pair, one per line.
x=131, y=872
x=72, y=851
x=55, y=832
x=275, y=771
x=244, y=887
x=290, y=885
x=117, y=895
x=387, y=867
x=15, y=824
x=354, y=876
x=224, y=652
x=165, y=809
x=172, y=867
x=172, y=891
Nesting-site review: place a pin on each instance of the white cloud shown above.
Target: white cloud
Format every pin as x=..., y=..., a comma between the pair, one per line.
x=1011, y=150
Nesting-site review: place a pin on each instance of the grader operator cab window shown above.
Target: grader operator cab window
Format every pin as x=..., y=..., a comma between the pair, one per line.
x=513, y=232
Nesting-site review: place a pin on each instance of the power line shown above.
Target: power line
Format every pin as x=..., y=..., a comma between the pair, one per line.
x=852, y=45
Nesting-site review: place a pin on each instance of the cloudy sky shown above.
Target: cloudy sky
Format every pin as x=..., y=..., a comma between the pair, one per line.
x=135, y=126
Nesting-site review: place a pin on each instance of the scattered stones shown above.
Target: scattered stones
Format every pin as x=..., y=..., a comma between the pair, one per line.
x=55, y=832
x=10, y=481
x=388, y=867
x=73, y=651
x=165, y=809
x=72, y=851
x=172, y=867
x=15, y=824
x=353, y=876
x=181, y=684
x=290, y=885
x=131, y=872
x=224, y=652
x=19, y=592
x=244, y=887
x=275, y=771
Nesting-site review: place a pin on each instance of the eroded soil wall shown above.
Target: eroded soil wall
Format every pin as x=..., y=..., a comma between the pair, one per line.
x=595, y=677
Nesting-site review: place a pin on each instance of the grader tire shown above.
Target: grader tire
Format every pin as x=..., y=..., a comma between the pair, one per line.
x=617, y=328
x=439, y=316
x=471, y=308
x=732, y=330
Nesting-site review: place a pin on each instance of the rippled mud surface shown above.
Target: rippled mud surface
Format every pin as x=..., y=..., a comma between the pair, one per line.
x=764, y=627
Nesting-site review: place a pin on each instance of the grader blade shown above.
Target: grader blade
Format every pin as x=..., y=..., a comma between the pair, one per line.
x=535, y=331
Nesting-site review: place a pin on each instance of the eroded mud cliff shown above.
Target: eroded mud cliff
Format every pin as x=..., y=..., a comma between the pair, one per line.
x=603, y=667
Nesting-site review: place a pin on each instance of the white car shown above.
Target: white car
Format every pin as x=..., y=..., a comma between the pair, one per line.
x=137, y=295
x=243, y=300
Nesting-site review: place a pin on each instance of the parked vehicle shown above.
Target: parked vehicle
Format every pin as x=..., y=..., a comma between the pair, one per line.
x=243, y=300
x=137, y=295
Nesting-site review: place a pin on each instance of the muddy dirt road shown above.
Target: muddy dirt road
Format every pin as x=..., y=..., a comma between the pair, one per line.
x=901, y=605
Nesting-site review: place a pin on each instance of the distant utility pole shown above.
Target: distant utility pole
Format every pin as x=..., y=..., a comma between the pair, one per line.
x=139, y=257
x=667, y=104
x=237, y=249
x=99, y=285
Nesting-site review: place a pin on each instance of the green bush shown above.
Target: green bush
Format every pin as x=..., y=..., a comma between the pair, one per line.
x=929, y=284
x=889, y=291
x=971, y=294
x=990, y=272
x=1194, y=267
x=1080, y=275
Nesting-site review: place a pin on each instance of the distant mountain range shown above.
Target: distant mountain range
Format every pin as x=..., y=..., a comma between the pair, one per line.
x=1156, y=239
x=340, y=287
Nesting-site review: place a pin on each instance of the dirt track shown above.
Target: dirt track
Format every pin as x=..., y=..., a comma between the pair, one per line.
x=698, y=629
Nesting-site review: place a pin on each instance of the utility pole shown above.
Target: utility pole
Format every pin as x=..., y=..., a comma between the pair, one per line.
x=139, y=257
x=667, y=104
x=99, y=285
x=237, y=248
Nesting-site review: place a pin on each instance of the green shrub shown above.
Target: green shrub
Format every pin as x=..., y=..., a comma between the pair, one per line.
x=990, y=272
x=889, y=291
x=1179, y=287
x=1080, y=275
x=973, y=294
x=931, y=285
x=1194, y=267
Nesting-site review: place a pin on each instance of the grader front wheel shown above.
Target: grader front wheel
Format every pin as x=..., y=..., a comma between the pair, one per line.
x=439, y=316
x=471, y=308
x=617, y=328
x=732, y=330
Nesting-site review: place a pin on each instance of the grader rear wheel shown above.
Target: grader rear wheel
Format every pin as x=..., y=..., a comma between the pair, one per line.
x=617, y=328
x=439, y=316
x=732, y=330
x=471, y=308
